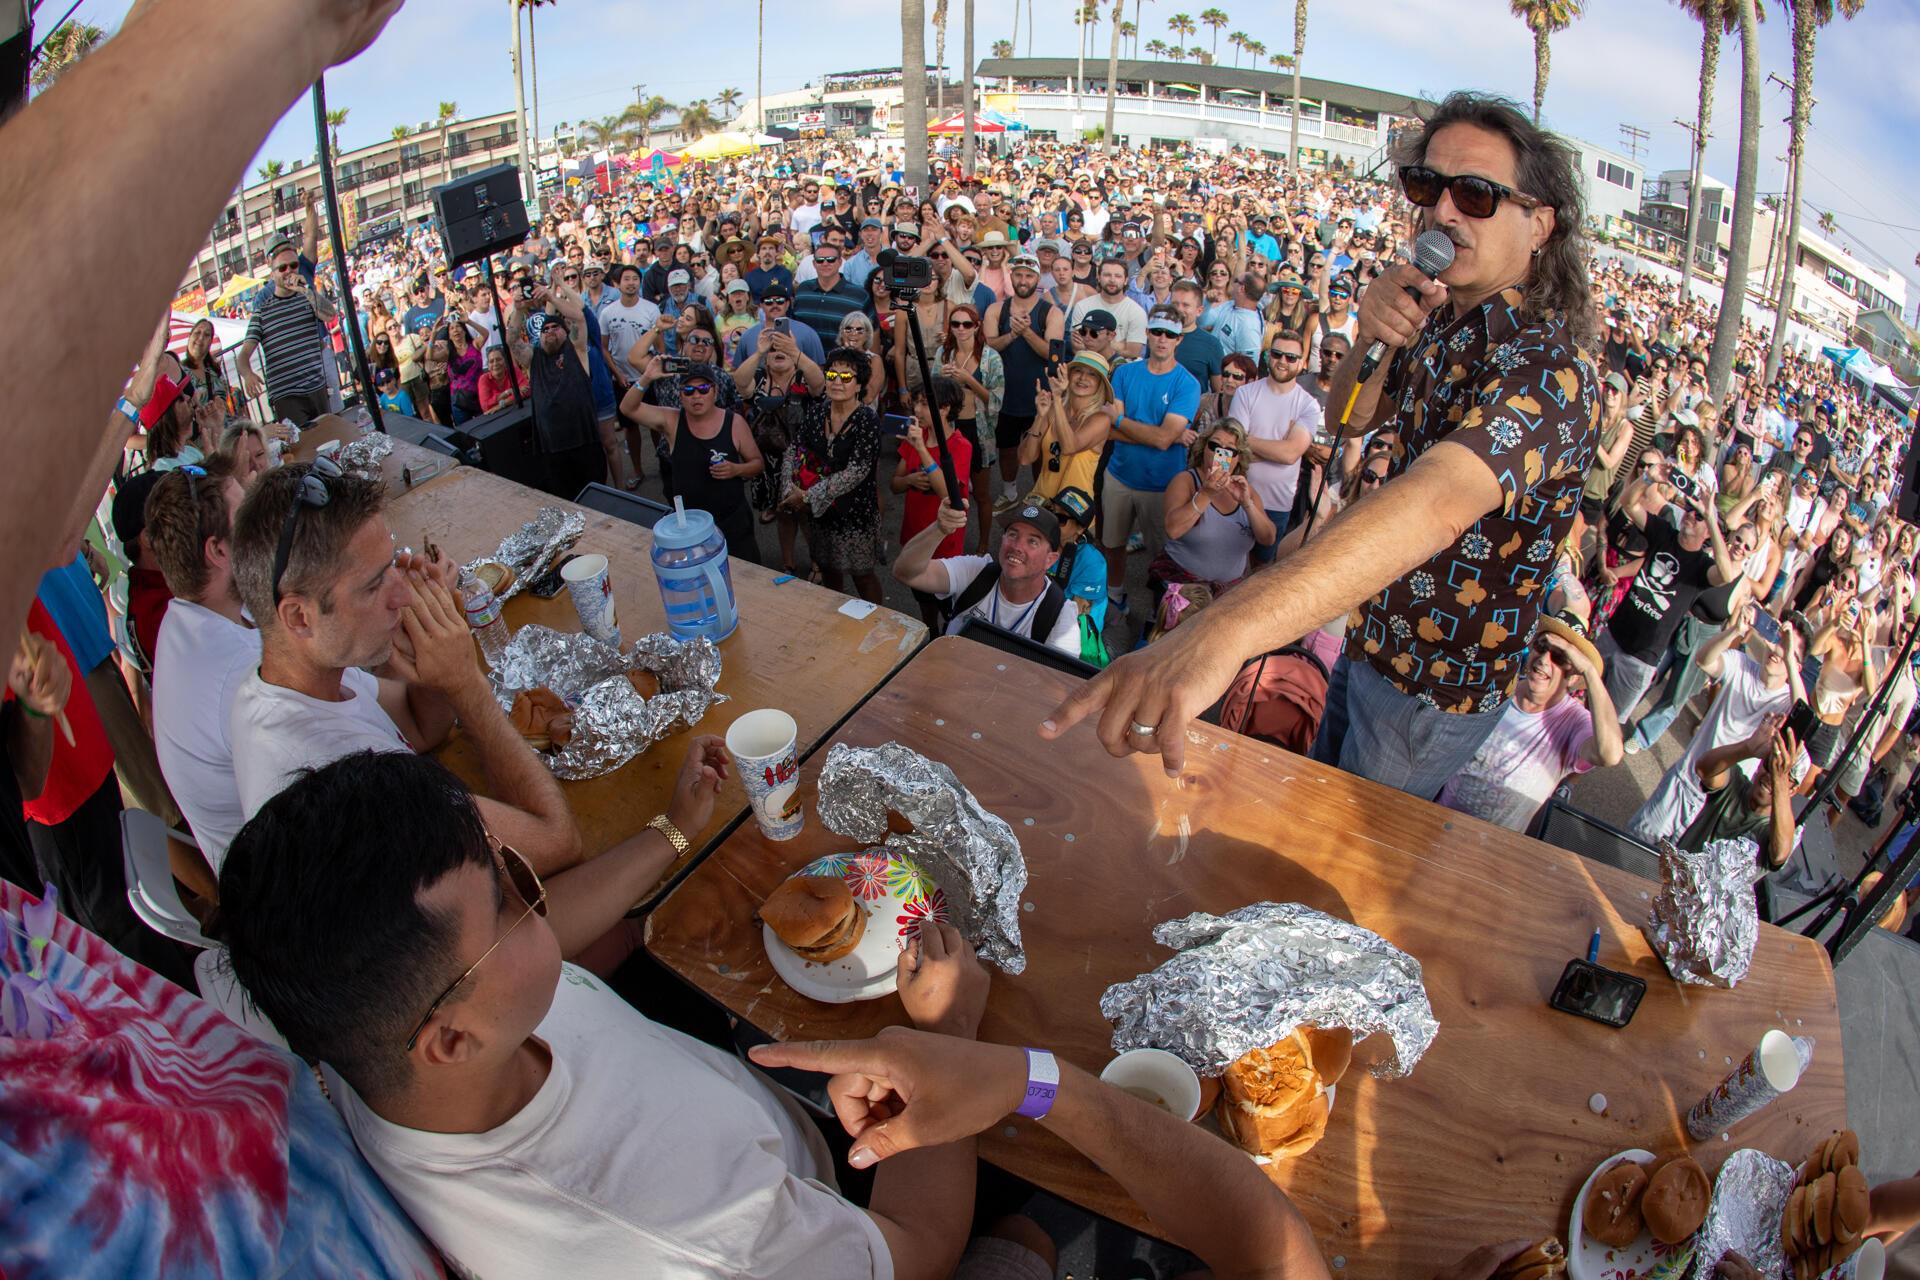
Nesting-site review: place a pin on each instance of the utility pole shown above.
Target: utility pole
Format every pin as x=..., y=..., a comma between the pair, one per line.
x=1693, y=207
x=1635, y=140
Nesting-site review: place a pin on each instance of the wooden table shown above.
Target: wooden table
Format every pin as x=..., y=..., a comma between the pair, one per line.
x=331, y=426
x=1488, y=1139
x=793, y=649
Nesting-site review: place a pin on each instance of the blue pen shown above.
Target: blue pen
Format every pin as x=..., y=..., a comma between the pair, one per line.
x=1593, y=948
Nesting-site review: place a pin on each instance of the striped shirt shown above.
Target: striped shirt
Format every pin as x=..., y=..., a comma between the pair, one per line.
x=290, y=337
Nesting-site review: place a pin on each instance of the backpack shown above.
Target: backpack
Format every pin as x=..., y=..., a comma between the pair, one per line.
x=1279, y=698
x=1044, y=617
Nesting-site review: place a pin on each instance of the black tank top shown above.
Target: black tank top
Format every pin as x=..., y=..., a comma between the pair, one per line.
x=691, y=458
x=1023, y=368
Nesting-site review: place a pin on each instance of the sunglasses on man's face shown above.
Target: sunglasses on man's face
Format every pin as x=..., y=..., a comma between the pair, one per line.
x=1285, y=357
x=1474, y=196
x=527, y=887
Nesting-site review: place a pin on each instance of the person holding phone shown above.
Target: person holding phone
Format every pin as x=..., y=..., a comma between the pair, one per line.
x=918, y=474
x=1214, y=519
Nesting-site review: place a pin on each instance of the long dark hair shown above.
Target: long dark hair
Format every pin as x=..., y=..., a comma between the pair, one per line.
x=1544, y=168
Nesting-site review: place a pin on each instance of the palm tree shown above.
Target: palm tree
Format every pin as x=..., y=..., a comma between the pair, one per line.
x=1808, y=17
x=1200, y=55
x=913, y=94
x=530, y=185
x=759, y=65
x=1136, y=24
x=969, y=135
x=1181, y=25
x=1280, y=61
x=696, y=119
x=1826, y=224
x=1543, y=18
x=1299, y=48
x=1733, y=295
x=1177, y=53
x=605, y=131
x=336, y=117
x=1238, y=39
x=1016, y=34
x=65, y=45
x=270, y=172
x=1113, y=74
x=645, y=111
x=246, y=231
x=940, y=54
x=729, y=100
x=400, y=135
x=1003, y=48
x=1254, y=49
x=1216, y=19
x=533, y=58
x=1158, y=48
x=443, y=117
x=1129, y=32
x=1716, y=17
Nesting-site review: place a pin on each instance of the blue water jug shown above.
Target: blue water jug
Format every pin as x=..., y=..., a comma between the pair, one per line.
x=696, y=586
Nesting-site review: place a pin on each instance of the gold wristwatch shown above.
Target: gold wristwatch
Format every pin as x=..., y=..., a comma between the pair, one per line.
x=664, y=825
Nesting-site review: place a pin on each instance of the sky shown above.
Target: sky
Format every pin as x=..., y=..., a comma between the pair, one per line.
x=1628, y=61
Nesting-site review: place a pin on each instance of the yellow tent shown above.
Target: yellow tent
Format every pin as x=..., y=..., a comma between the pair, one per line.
x=716, y=145
x=236, y=286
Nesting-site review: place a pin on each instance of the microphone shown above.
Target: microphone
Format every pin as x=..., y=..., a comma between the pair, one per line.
x=1432, y=253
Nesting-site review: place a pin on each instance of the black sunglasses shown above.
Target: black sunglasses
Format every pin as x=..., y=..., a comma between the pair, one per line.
x=1088, y=331
x=701, y=388
x=1474, y=196
x=312, y=492
x=526, y=883
x=1291, y=357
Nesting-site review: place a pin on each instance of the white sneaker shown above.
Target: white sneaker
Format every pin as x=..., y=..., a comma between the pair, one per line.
x=1633, y=747
x=1138, y=542
x=1004, y=503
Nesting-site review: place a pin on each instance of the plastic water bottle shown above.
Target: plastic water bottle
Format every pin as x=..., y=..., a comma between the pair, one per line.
x=484, y=618
x=696, y=584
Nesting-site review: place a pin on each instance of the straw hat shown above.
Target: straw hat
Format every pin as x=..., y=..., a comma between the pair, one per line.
x=1569, y=628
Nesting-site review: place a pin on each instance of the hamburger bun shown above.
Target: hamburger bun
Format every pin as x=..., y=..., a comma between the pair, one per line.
x=1273, y=1101
x=1852, y=1201
x=1675, y=1201
x=644, y=683
x=816, y=916
x=543, y=718
x=1612, y=1212
x=496, y=577
x=1536, y=1262
x=1820, y=1209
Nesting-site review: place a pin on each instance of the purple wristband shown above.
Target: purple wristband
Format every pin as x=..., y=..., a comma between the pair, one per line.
x=1043, y=1082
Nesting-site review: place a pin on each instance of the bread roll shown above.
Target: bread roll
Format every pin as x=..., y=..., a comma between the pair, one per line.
x=1612, y=1212
x=817, y=916
x=1852, y=1202
x=1273, y=1101
x=496, y=577
x=1536, y=1262
x=542, y=718
x=1820, y=1209
x=1675, y=1201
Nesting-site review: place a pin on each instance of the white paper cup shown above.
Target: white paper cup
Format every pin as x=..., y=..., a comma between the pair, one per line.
x=1770, y=1069
x=590, y=583
x=1159, y=1077
x=762, y=746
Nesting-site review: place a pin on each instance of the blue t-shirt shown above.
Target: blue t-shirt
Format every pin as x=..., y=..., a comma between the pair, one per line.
x=760, y=277
x=1085, y=579
x=420, y=321
x=74, y=601
x=603, y=397
x=1149, y=397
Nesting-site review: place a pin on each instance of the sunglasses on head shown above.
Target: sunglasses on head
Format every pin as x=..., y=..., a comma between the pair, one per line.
x=313, y=491
x=1474, y=196
x=526, y=885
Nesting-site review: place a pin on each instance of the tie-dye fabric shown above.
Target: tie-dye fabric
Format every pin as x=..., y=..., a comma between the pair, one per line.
x=149, y=1136
x=1454, y=632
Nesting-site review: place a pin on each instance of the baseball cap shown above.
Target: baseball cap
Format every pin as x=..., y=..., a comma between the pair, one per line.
x=129, y=515
x=678, y=275
x=1617, y=382
x=1686, y=417
x=1032, y=513
x=1074, y=504
x=870, y=222
x=1164, y=319
x=907, y=229
x=594, y=264
x=776, y=290
x=1099, y=318
x=165, y=392
x=1024, y=259
x=737, y=285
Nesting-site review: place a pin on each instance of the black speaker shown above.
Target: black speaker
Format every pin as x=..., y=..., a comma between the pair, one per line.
x=480, y=214
x=505, y=443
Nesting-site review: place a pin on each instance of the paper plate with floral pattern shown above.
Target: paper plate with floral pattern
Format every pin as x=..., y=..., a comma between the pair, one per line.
x=896, y=896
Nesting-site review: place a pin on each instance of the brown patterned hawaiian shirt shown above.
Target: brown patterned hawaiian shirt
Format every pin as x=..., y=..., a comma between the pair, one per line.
x=1454, y=632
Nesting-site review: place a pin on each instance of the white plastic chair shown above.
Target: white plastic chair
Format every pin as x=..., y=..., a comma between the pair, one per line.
x=218, y=988
x=150, y=887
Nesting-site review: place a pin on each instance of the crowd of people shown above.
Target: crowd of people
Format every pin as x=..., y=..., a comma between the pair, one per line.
x=1491, y=552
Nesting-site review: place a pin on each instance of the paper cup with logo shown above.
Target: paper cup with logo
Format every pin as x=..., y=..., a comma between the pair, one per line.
x=762, y=746
x=1770, y=1069
x=1158, y=1077
x=590, y=583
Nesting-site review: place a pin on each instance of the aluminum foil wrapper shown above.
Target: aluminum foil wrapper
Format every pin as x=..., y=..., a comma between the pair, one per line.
x=531, y=551
x=363, y=457
x=1245, y=980
x=1749, y=1196
x=1705, y=921
x=971, y=854
x=611, y=722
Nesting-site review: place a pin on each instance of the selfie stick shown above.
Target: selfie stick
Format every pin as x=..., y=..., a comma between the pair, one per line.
x=349, y=317
x=940, y=451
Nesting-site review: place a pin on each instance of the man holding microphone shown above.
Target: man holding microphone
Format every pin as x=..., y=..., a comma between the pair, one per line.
x=1442, y=567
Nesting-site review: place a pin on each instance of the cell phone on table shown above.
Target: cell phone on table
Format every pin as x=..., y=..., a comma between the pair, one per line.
x=548, y=584
x=1800, y=720
x=1766, y=626
x=1587, y=990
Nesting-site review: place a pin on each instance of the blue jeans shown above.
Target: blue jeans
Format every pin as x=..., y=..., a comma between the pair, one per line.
x=1332, y=733
x=1281, y=519
x=1395, y=739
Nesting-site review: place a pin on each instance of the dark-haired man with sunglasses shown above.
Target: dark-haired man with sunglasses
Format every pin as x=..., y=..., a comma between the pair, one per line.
x=1281, y=419
x=317, y=569
x=824, y=301
x=289, y=328
x=565, y=418
x=1494, y=411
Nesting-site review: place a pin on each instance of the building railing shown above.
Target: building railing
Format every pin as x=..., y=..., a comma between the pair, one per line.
x=1276, y=114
